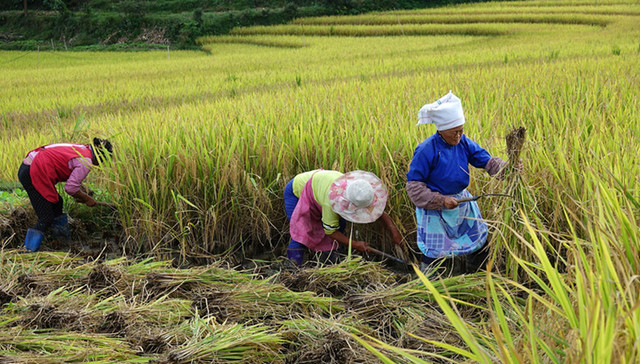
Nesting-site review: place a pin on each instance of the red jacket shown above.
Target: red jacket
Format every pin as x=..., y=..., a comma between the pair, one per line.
x=51, y=165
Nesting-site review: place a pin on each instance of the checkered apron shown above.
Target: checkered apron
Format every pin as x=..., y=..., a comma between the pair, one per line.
x=451, y=232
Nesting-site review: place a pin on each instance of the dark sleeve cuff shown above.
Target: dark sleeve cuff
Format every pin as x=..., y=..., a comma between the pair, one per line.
x=496, y=167
x=423, y=197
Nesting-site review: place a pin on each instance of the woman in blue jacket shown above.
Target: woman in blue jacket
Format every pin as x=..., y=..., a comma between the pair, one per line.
x=438, y=176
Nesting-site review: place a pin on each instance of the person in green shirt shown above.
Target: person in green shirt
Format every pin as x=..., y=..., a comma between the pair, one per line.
x=318, y=202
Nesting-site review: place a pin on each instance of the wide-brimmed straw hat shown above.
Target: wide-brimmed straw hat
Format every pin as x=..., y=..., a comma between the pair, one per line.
x=358, y=196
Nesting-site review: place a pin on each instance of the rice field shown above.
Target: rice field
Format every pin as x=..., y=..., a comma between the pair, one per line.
x=206, y=141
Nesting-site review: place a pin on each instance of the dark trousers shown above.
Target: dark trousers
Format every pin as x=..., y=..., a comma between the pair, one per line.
x=45, y=210
x=469, y=263
x=290, y=203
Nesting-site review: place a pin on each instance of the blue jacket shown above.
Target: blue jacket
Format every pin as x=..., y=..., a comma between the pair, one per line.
x=445, y=168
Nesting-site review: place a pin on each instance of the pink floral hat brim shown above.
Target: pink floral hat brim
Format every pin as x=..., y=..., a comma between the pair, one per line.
x=349, y=211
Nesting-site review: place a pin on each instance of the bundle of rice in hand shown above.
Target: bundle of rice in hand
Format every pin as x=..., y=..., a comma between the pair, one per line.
x=515, y=141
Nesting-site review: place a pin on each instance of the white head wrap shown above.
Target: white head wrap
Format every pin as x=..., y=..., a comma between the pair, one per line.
x=446, y=113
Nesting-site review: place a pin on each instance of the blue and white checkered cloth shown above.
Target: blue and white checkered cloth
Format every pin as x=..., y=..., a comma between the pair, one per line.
x=451, y=232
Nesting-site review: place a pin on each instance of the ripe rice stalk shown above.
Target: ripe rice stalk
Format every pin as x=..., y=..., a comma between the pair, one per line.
x=376, y=30
x=349, y=276
x=515, y=141
x=458, y=18
x=54, y=346
x=280, y=41
x=261, y=303
x=318, y=339
x=207, y=341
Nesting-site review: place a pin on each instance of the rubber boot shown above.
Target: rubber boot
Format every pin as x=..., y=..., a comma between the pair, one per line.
x=60, y=226
x=296, y=255
x=33, y=240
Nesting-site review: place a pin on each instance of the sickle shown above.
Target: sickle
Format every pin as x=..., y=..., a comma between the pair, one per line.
x=383, y=254
x=475, y=198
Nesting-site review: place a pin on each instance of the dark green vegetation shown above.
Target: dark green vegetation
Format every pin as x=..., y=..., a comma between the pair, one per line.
x=135, y=24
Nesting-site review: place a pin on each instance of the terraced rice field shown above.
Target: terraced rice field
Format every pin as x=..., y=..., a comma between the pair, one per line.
x=207, y=140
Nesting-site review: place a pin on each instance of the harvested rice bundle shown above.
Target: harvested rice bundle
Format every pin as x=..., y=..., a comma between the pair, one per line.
x=515, y=140
x=17, y=262
x=268, y=303
x=206, y=341
x=182, y=282
x=387, y=311
x=349, y=276
x=317, y=339
x=107, y=281
x=433, y=326
x=52, y=346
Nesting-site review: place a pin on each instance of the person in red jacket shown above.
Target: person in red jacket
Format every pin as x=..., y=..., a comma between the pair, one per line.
x=48, y=165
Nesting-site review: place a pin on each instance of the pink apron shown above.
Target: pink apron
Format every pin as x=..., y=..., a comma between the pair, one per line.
x=306, y=223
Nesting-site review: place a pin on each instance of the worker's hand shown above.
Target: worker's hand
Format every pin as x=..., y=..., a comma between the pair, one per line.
x=82, y=197
x=360, y=246
x=87, y=190
x=450, y=202
x=396, y=237
x=519, y=166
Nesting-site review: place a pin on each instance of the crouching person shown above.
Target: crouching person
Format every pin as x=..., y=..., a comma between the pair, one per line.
x=317, y=204
x=46, y=166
